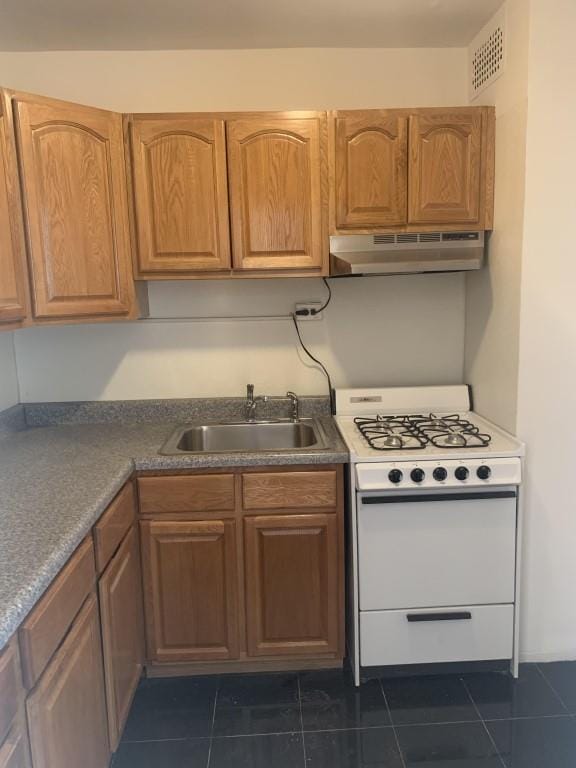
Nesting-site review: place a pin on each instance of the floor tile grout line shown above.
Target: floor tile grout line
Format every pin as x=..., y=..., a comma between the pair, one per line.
x=554, y=691
x=463, y=681
x=301, y=720
x=396, y=739
x=212, y=725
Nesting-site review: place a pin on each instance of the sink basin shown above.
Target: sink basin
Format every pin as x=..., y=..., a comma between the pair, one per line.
x=245, y=436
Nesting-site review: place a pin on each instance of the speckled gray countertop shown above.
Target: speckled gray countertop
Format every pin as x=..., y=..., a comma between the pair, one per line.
x=56, y=481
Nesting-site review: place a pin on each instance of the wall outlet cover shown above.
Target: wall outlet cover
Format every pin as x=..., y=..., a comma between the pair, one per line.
x=303, y=306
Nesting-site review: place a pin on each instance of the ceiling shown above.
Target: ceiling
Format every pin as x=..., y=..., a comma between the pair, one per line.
x=35, y=25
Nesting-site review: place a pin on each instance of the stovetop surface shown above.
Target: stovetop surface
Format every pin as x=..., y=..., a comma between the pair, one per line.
x=421, y=436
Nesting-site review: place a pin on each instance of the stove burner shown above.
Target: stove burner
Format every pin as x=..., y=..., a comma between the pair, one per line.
x=387, y=433
x=455, y=440
x=392, y=441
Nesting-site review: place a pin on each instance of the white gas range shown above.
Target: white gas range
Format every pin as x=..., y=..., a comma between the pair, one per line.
x=434, y=528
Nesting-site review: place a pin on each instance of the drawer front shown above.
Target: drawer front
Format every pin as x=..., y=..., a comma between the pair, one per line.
x=10, y=688
x=289, y=490
x=468, y=545
x=423, y=636
x=113, y=526
x=186, y=493
x=44, y=629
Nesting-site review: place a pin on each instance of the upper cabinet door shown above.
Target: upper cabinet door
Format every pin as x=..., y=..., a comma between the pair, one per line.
x=76, y=209
x=181, y=194
x=277, y=190
x=370, y=184
x=445, y=173
x=13, y=275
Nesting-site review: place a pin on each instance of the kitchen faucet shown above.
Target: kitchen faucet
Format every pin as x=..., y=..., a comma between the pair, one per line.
x=252, y=402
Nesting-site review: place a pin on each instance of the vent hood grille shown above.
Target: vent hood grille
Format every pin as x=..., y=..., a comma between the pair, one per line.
x=406, y=252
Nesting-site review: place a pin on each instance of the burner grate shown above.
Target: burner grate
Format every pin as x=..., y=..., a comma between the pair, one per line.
x=392, y=433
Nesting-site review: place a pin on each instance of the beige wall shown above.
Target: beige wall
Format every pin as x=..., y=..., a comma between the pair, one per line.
x=8, y=380
x=264, y=79
x=395, y=331
x=547, y=381
x=493, y=295
x=377, y=331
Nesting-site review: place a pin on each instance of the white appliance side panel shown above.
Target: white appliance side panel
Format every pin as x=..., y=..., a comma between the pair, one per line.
x=436, y=553
x=387, y=637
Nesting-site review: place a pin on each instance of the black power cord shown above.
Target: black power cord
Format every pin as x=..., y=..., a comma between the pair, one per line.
x=307, y=351
x=312, y=312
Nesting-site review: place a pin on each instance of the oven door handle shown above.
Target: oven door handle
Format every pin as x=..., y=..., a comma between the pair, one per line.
x=421, y=497
x=446, y=616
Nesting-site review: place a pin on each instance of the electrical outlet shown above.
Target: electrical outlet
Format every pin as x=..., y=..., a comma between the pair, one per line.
x=304, y=306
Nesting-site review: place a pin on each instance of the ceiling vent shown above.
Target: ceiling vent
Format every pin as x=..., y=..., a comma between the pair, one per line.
x=487, y=54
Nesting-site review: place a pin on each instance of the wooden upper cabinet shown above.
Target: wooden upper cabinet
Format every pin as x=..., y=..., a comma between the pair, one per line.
x=369, y=169
x=445, y=169
x=180, y=194
x=276, y=169
x=13, y=275
x=76, y=209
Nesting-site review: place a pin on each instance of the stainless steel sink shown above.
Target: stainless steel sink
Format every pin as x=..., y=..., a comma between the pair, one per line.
x=245, y=436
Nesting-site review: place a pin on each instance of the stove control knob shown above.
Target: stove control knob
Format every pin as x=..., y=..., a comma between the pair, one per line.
x=462, y=473
x=417, y=475
x=483, y=472
x=440, y=474
x=395, y=476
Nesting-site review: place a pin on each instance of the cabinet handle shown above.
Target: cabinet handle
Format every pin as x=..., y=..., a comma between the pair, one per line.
x=450, y=616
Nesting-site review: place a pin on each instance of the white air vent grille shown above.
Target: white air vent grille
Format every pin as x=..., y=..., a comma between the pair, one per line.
x=430, y=237
x=487, y=54
x=383, y=239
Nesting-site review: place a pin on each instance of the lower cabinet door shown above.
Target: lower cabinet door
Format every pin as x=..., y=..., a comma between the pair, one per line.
x=122, y=632
x=67, y=709
x=14, y=752
x=190, y=580
x=293, y=587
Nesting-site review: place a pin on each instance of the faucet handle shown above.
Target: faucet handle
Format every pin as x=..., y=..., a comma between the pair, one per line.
x=295, y=405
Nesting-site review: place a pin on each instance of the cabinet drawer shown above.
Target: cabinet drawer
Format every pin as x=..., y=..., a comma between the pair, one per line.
x=113, y=526
x=10, y=688
x=289, y=490
x=424, y=636
x=186, y=493
x=44, y=629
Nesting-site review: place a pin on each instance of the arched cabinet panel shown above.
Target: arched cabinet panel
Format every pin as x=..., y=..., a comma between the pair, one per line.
x=276, y=171
x=445, y=167
x=370, y=181
x=180, y=195
x=76, y=209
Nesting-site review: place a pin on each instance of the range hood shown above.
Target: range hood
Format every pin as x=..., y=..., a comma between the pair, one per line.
x=406, y=253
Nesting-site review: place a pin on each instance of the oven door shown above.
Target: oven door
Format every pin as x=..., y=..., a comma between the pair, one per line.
x=427, y=549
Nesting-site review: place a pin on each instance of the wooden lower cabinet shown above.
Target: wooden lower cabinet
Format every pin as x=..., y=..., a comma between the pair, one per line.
x=292, y=584
x=67, y=709
x=191, y=590
x=122, y=622
x=14, y=752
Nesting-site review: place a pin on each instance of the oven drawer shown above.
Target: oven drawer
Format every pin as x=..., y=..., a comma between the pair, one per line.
x=424, y=636
x=418, y=551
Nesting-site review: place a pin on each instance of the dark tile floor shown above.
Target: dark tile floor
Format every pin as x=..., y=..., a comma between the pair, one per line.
x=319, y=720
